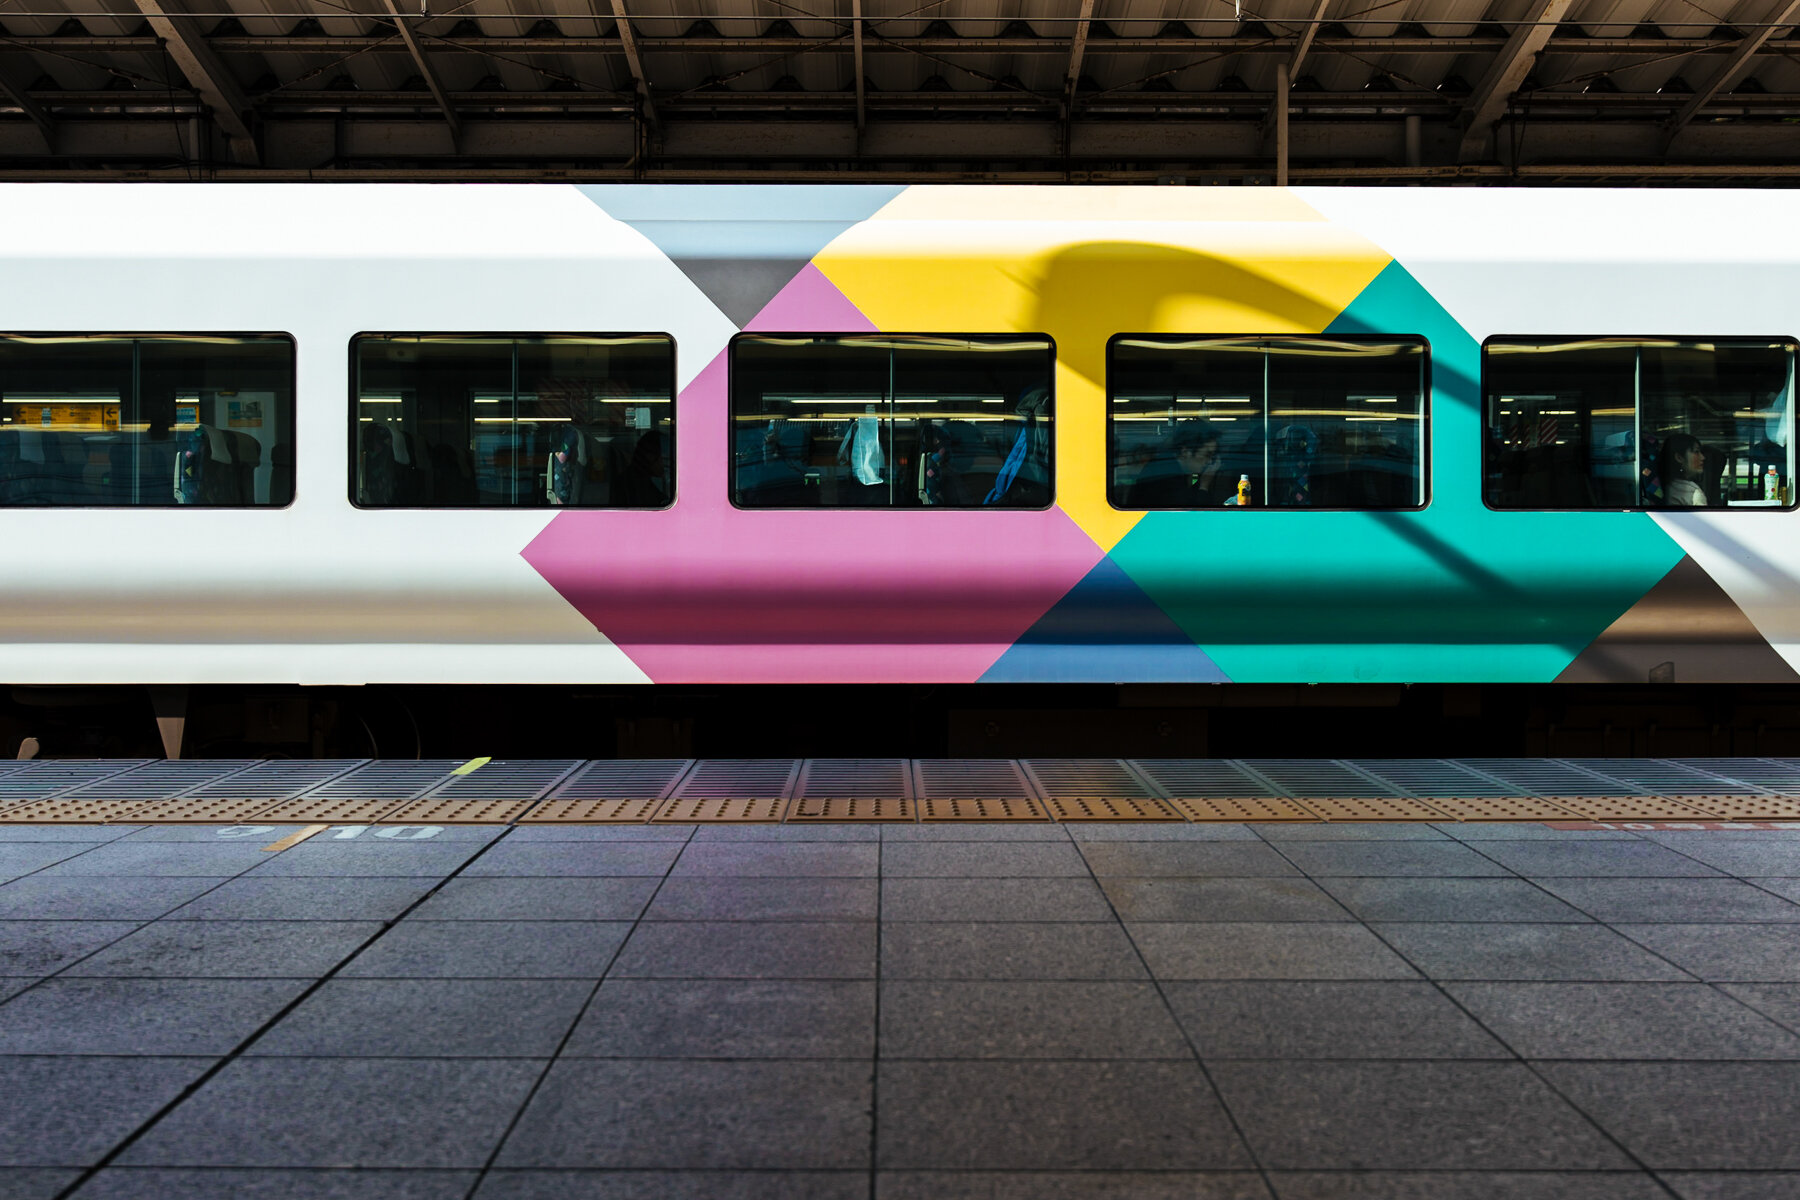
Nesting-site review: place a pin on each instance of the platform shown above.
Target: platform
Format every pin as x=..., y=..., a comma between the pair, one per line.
x=997, y=1009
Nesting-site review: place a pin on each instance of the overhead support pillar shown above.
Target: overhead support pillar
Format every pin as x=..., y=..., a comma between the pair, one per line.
x=856, y=46
x=1281, y=124
x=1275, y=120
x=1487, y=104
x=635, y=62
x=215, y=85
x=423, y=65
x=1732, y=72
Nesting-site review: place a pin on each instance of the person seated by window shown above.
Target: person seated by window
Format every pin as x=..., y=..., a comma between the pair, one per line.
x=1194, y=483
x=1682, y=467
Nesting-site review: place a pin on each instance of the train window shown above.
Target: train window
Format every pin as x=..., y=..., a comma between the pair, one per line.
x=891, y=421
x=129, y=420
x=485, y=420
x=1335, y=422
x=1638, y=423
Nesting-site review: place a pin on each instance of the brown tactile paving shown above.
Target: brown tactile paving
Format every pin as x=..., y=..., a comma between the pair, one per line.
x=1111, y=808
x=851, y=808
x=685, y=810
x=1241, y=808
x=198, y=810
x=1749, y=808
x=1500, y=808
x=448, y=810
x=612, y=810
x=69, y=812
x=1633, y=808
x=980, y=808
x=1371, y=808
x=349, y=810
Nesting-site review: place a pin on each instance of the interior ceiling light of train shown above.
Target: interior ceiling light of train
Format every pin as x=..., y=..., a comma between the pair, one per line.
x=1208, y=91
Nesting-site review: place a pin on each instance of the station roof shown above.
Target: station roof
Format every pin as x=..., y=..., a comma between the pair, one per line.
x=1386, y=91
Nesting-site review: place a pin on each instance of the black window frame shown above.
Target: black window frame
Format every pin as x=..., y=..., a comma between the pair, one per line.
x=1426, y=397
x=352, y=450
x=241, y=336
x=1627, y=339
x=731, y=465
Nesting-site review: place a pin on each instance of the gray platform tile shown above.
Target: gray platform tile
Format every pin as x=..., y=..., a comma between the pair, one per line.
x=1069, y=1185
x=1008, y=950
x=600, y=833
x=1466, y=1185
x=1240, y=898
x=1426, y=899
x=141, y=1016
x=1746, y=856
x=1326, y=1019
x=430, y=1018
x=1525, y=951
x=1264, y=950
x=810, y=831
x=66, y=833
x=1157, y=831
x=1780, y=1002
x=1692, y=1116
x=982, y=860
x=1634, y=860
x=993, y=900
x=224, y=1183
x=662, y=1185
x=22, y=858
x=778, y=859
x=1734, y=1185
x=368, y=856
x=1034, y=1116
x=1351, y=831
x=1408, y=1116
x=1194, y=859
x=727, y=1018
x=43, y=947
x=229, y=950
x=1017, y=1019
x=1624, y=1021
x=972, y=831
x=662, y=1114
x=416, y=949
x=12, y=985
x=256, y=836
x=1787, y=889
x=34, y=1183
x=64, y=1111
x=568, y=859
x=1529, y=831
x=1726, y=953
x=749, y=950
x=1677, y=900
x=341, y=1112
x=737, y=899
x=114, y=898
x=1445, y=858
x=436, y=834
x=593, y=898
x=127, y=857
x=337, y=898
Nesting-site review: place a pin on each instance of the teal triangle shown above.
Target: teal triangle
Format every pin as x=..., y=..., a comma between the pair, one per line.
x=1104, y=630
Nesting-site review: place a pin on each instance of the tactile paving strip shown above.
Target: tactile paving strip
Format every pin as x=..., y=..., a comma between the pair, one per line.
x=198, y=810
x=612, y=810
x=449, y=810
x=1371, y=808
x=980, y=808
x=1303, y=778
x=1111, y=808
x=851, y=808
x=69, y=812
x=685, y=810
x=45, y=779
x=1085, y=777
x=1215, y=777
x=1662, y=777
x=1500, y=808
x=1241, y=808
x=316, y=810
x=1429, y=778
x=1748, y=808
x=1632, y=808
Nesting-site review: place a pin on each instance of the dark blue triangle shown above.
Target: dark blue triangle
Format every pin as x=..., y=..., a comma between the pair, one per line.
x=1105, y=630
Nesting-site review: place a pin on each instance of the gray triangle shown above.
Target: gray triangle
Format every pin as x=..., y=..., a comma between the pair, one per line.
x=740, y=286
x=1686, y=629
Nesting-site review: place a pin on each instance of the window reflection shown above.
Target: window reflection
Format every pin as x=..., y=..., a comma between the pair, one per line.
x=479, y=421
x=891, y=421
x=1215, y=422
x=1619, y=423
x=146, y=420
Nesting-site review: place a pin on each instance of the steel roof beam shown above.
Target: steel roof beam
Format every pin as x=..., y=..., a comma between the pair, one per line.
x=1307, y=34
x=1734, y=70
x=1077, y=51
x=1504, y=75
x=217, y=88
x=856, y=48
x=423, y=65
x=635, y=62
